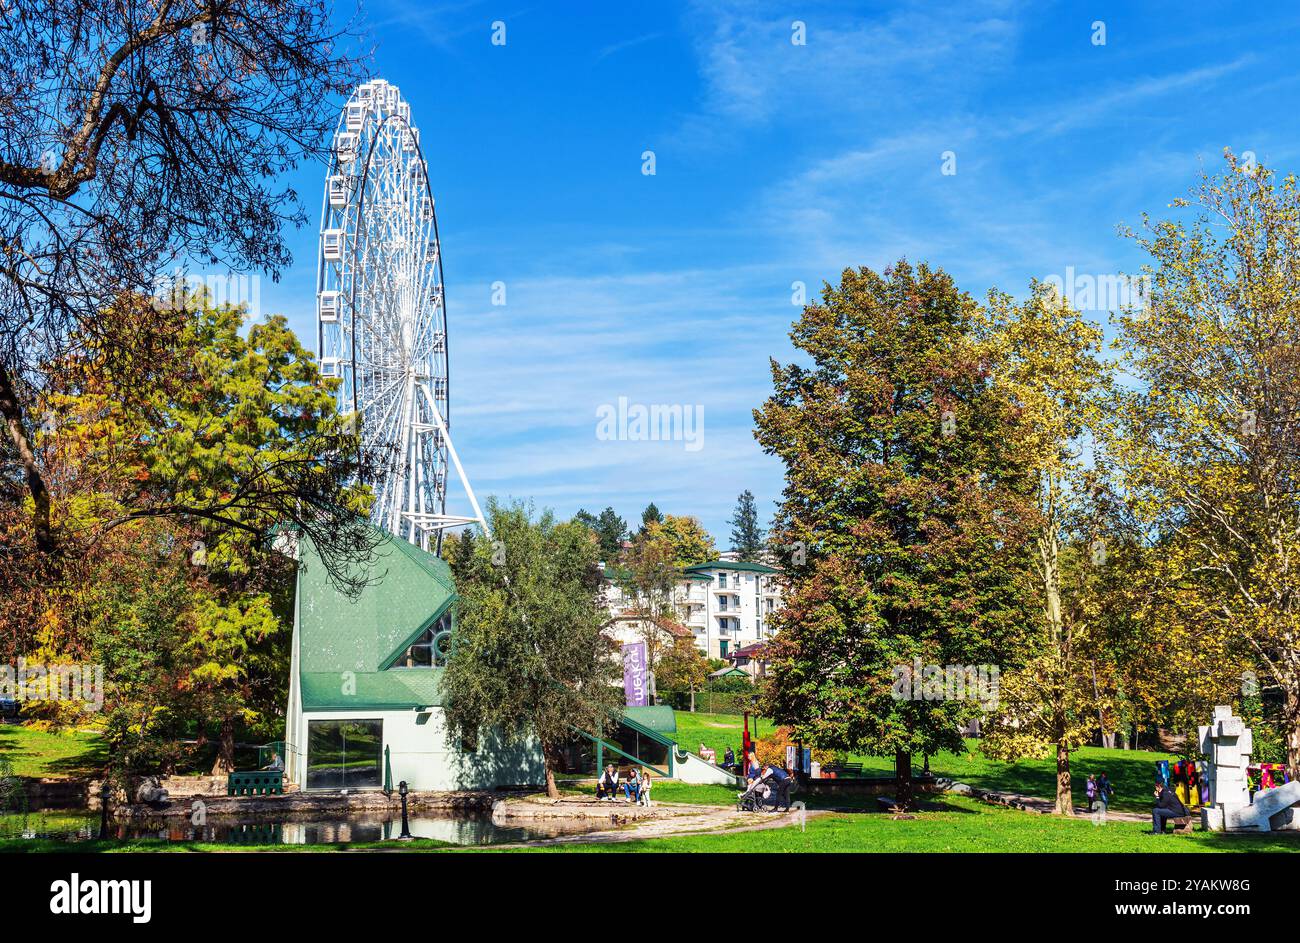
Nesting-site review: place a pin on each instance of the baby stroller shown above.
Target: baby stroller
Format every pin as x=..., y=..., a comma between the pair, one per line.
x=767, y=793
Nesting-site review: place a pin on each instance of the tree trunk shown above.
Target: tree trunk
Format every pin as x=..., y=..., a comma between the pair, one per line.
x=105, y=793
x=12, y=412
x=1291, y=720
x=225, y=762
x=1107, y=739
x=903, y=796
x=1064, y=796
x=552, y=756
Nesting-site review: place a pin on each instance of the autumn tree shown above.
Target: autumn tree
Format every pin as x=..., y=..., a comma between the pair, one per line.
x=137, y=140
x=231, y=435
x=902, y=501
x=682, y=539
x=180, y=456
x=530, y=658
x=648, y=579
x=1207, y=441
x=1047, y=366
x=682, y=667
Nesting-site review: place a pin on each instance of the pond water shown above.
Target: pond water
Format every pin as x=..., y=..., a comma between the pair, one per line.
x=459, y=830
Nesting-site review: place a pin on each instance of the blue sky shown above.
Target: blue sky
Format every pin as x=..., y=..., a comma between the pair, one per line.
x=775, y=163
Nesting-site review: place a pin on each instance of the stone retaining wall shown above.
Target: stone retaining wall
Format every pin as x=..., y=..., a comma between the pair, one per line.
x=307, y=805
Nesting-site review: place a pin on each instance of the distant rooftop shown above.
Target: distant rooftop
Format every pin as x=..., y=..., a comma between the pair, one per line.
x=732, y=565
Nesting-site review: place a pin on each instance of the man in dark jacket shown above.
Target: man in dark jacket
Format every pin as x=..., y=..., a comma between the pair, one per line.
x=1168, y=806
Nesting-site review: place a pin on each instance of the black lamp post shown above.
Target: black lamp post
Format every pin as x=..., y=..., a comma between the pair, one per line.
x=406, y=825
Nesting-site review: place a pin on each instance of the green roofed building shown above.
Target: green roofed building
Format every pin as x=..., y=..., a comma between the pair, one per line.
x=365, y=709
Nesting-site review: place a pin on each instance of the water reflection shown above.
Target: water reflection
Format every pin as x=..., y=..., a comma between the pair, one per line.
x=459, y=830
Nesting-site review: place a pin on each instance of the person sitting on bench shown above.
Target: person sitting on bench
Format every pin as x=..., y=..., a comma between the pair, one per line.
x=632, y=785
x=1168, y=806
x=607, y=785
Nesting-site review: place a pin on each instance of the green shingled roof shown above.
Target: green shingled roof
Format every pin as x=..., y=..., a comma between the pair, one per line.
x=657, y=717
x=732, y=565
x=345, y=644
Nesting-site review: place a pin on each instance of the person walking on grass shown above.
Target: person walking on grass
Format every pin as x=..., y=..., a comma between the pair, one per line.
x=1091, y=789
x=1104, y=791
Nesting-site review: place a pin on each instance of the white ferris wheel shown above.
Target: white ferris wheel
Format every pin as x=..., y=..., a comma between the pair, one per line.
x=381, y=315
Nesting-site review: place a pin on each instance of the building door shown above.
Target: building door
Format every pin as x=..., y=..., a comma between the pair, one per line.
x=345, y=754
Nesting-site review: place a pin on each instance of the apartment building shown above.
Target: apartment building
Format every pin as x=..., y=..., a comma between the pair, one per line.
x=726, y=604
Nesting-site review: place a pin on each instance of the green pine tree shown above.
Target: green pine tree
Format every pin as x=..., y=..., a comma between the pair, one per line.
x=746, y=535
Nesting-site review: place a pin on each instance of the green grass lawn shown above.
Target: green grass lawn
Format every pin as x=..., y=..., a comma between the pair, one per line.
x=1131, y=771
x=37, y=753
x=956, y=825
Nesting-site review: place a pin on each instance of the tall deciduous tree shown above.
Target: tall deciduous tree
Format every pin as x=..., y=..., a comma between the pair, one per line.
x=174, y=464
x=648, y=580
x=746, y=535
x=234, y=436
x=683, y=539
x=137, y=137
x=902, y=502
x=1208, y=444
x=529, y=657
x=1047, y=366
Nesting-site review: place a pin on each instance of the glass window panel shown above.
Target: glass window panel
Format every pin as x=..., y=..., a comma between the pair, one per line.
x=345, y=754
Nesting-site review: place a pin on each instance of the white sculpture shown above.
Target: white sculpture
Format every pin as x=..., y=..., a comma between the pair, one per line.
x=1227, y=742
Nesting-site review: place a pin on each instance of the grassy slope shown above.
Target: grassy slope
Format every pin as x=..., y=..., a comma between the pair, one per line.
x=58, y=755
x=1131, y=771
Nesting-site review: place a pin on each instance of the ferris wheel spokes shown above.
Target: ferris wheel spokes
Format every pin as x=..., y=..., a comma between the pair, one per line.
x=382, y=315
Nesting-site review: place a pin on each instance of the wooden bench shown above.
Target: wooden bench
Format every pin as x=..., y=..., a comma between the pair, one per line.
x=1182, y=825
x=852, y=769
x=262, y=782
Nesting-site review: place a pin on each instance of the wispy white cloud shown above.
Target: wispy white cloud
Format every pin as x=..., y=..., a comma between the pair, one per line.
x=614, y=48
x=852, y=63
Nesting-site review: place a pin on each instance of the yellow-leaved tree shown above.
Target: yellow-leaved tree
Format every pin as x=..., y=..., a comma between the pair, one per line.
x=1048, y=368
x=1207, y=441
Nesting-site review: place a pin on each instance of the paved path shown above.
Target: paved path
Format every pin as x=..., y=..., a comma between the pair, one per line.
x=1038, y=803
x=673, y=819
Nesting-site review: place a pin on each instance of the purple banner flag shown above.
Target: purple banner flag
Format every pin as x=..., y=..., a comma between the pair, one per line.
x=635, y=682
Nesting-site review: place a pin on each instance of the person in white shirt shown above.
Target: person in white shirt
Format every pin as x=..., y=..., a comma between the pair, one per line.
x=607, y=785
